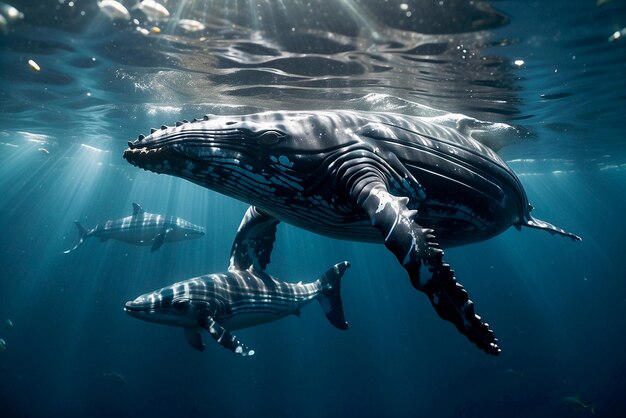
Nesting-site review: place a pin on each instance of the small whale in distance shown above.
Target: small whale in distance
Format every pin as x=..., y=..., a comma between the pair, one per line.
x=3, y=345
x=114, y=377
x=8, y=324
x=141, y=228
x=576, y=404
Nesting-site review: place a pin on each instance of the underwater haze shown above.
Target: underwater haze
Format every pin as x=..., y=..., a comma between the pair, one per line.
x=79, y=79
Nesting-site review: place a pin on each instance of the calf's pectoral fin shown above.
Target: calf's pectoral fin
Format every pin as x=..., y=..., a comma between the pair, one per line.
x=160, y=239
x=254, y=241
x=422, y=258
x=225, y=338
x=194, y=338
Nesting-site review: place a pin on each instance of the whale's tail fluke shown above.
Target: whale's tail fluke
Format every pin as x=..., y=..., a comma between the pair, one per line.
x=82, y=234
x=330, y=295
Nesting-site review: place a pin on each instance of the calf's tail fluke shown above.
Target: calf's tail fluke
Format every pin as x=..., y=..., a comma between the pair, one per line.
x=330, y=295
x=82, y=234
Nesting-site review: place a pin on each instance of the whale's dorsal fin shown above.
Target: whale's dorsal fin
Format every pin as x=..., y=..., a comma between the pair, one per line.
x=225, y=338
x=254, y=241
x=137, y=210
x=195, y=339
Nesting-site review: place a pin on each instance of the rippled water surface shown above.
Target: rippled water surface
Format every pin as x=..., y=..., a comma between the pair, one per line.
x=547, y=79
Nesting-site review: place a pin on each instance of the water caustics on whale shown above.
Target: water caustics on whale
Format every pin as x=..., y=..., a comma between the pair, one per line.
x=141, y=228
x=408, y=182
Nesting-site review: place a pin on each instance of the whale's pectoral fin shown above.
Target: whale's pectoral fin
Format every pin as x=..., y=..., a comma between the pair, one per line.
x=254, y=241
x=422, y=258
x=195, y=339
x=225, y=338
x=160, y=239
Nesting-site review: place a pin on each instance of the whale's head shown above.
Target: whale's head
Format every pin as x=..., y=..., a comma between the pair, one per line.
x=241, y=156
x=188, y=230
x=176, y=305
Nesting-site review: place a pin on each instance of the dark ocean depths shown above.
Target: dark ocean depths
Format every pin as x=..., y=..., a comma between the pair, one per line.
x=553, y=70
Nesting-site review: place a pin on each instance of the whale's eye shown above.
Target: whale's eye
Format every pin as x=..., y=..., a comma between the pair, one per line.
x=266, y=137
x=270, y=137
x=180, y=305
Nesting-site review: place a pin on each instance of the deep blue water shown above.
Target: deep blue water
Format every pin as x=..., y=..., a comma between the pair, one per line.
x=556, y=306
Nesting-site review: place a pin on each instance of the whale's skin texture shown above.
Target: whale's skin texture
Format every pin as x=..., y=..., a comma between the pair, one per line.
x=408, y=182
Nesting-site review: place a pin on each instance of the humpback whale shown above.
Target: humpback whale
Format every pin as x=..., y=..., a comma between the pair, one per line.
x=141, y=228
x=222, y=302
x=413, y=184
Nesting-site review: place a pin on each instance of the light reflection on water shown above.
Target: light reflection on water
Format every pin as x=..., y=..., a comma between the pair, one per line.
x=315, y=54
x=103, y=78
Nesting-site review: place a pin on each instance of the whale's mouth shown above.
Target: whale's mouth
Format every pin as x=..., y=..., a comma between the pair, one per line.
x=134, y=309
x=154, y=159
x=129, y=307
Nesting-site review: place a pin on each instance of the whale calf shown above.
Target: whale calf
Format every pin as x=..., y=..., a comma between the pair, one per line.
x=408, y=182
x=575, y=403
x=141, y=228
x=222, y=302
